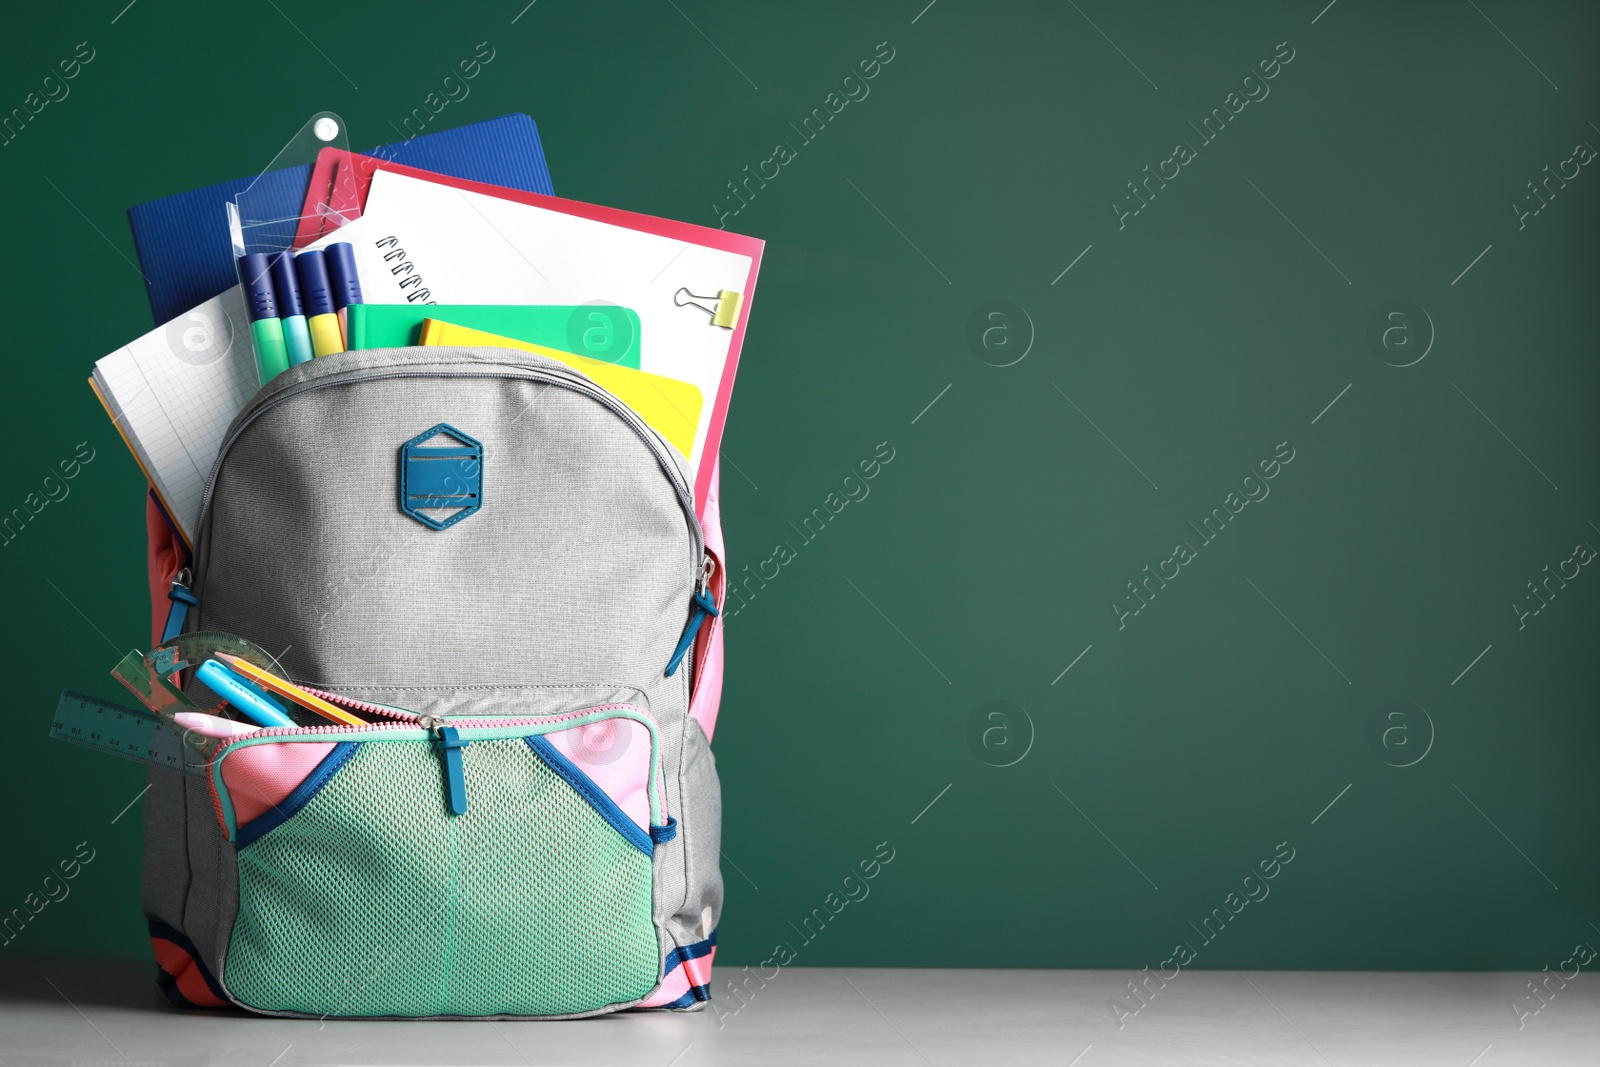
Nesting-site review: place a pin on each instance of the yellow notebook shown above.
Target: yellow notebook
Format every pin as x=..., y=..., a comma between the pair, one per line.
x=668, y=406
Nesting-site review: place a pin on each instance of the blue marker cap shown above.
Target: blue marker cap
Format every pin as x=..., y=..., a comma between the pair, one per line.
x=285, y=286
x=255, y=275
x=346, y=284
x=314, y=289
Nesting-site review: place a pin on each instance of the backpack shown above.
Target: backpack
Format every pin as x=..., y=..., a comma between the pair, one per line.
x=501, y=565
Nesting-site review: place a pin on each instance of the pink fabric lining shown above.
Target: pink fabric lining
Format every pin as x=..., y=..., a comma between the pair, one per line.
x=260, y=777
x=615, y=754
x=707, y=697
x=687, y=974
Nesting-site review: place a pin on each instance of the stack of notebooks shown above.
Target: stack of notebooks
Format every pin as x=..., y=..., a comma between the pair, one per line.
x=457, y=241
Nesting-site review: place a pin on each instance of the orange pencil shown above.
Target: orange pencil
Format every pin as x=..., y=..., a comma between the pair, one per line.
x=289, y=691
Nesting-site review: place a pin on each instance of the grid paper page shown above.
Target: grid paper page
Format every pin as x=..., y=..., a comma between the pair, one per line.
x=175, y=390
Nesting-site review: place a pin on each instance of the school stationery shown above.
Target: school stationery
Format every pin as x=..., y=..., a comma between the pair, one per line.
x=723, y=308
x=289, y=691
x=121, y=731
x=172, y=393
x=212, y=725
x=670, y=407
x=340, y=179
x=242, y=695
x=332, y=201
x=255, y=220
x=193, y=648
x=344, y=282
x=186, y=360
x=266, y=331
x=153, y=689
x=599, y=331
x=182, y=241
x=286, y=289
x=316, y=291
x=466, y=242
x=151, y=678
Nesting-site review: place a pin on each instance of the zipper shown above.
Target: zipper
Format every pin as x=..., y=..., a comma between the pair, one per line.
x=445, y=733
x=362, y=705
x=448, y=740
x=411, y=720
x=701, y=608
x=181, y=599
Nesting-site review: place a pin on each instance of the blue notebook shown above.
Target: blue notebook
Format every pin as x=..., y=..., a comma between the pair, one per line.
x=182, y=241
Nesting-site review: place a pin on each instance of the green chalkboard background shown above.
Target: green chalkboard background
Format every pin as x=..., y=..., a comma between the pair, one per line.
x=1064, y=386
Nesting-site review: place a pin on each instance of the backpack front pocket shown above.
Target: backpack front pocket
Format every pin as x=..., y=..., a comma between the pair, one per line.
x=362, y=891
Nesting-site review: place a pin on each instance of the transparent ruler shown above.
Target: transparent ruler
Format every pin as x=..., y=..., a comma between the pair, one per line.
x=126, y=732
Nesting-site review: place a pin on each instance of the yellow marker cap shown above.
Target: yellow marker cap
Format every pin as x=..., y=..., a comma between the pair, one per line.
x=325, y=337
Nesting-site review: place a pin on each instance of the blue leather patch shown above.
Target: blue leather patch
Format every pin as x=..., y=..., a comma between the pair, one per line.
x=441, y=476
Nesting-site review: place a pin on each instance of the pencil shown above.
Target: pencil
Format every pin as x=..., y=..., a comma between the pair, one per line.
x=289, y=691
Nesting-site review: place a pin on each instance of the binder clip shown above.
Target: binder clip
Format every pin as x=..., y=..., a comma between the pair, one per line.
x=725, y=311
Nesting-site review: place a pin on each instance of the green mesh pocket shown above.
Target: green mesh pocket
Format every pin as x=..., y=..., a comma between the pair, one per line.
x=373, y=899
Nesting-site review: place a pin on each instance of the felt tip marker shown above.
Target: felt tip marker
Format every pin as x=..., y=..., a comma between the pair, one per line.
x=286, y=287
x=266, y=331
x=343, y=281
x=212, y=725
x=242, y=695
x=315, y=291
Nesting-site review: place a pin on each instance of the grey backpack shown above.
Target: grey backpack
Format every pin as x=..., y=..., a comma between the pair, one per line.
x=497, y=567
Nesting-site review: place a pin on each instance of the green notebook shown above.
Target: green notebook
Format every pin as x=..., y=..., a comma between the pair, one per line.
x=599, y=331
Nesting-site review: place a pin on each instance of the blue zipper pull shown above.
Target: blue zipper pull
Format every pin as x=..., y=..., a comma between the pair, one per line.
x=450, y=746
x=704, y=608
x=182, y=601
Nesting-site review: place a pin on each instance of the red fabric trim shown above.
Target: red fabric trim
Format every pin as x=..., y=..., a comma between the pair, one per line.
x=167, y=555
x=185, y=974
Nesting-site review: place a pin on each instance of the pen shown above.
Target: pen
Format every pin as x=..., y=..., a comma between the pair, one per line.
x=296, y=335
x=242, y=695
x=344, y=281
x=312, y=267
x=266, y=332
x=287, y=689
